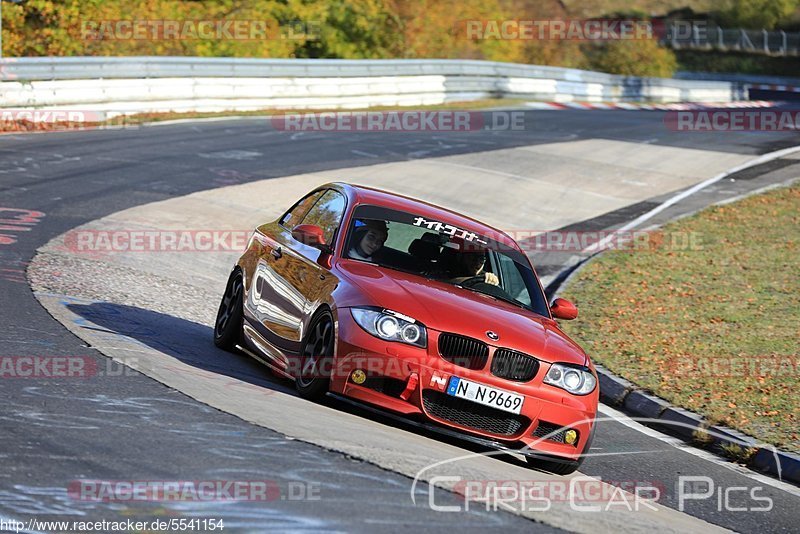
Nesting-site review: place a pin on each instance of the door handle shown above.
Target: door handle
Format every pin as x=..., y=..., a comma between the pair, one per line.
x=276, y=253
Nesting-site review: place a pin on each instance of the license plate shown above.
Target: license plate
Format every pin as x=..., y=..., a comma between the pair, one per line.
x=486, y=395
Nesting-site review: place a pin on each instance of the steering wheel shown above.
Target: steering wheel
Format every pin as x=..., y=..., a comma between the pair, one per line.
x=474, y=280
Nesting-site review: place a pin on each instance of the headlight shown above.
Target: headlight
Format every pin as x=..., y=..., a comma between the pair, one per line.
x=576, y=380
x=391, y=326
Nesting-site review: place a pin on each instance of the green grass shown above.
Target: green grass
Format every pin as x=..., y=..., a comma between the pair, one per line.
x=714, y=329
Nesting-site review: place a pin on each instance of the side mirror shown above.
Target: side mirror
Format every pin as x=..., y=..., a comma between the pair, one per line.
x=311, y=235
x=563, y=309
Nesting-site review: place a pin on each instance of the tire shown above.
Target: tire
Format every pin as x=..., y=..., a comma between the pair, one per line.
x=228, y=324
x=316, y=348
x=566, y=467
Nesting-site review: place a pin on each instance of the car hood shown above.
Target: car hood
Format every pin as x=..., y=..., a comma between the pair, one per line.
x=444, y=307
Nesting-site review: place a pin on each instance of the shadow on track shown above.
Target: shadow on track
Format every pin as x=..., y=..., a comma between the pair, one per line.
x=186, y=341
x=191, y=343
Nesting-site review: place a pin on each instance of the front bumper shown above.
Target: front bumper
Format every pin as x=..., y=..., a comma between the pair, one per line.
x=411, y=382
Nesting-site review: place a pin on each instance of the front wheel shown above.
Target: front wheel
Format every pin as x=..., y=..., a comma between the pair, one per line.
x=565, y=467
x=228, y=326
x=317, y=351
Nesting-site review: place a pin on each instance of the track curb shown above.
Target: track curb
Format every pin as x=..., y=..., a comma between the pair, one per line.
x=684, y=424
x=690, y=427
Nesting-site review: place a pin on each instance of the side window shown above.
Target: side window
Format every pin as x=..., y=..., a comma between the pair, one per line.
x=512, y=280
x=327, y=214
x=296, y=214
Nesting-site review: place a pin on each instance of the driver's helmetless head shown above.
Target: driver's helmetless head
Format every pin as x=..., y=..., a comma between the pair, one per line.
x=372, y=241
x=473, y=262
x=374, y=238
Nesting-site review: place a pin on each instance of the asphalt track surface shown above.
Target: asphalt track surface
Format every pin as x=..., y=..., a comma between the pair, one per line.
x=125, y=426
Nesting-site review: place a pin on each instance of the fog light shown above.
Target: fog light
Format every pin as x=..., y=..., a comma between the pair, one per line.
x=358, y=376
x=570, y=437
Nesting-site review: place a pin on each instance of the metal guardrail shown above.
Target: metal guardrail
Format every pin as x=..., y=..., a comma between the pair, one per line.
x=208, y=83
x=756, y=86
x=752, y=79
x=703, y=37
x=65, y=68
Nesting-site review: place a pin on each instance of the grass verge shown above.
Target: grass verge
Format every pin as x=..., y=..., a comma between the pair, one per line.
x=487, y=103
x=21, y=126
x=713, y=327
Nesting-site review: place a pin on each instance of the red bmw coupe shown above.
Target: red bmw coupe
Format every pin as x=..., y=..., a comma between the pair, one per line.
x=399, y=305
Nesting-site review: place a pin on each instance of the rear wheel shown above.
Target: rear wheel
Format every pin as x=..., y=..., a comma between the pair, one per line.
x=317, y=351
x=228, y=326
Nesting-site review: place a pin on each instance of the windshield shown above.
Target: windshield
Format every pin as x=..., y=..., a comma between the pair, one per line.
x=439, y=251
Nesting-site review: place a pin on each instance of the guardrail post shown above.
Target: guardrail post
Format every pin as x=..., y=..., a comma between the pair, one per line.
x=720, y=38
x=747, y=44
x=784, y=46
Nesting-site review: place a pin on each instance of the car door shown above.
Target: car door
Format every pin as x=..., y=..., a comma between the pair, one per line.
x=292, y=281
x=269, y=306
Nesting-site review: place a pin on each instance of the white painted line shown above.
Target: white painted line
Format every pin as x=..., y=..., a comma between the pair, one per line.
x=700, y=453
x=364, y=154
x=758, y=191
x=207, y=119
x=692, y=190
x=542, y=106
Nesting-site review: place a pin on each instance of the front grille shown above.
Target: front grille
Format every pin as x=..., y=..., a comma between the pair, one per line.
x=463, y=351
x=514, y=365
x=549, y=431
x=472, y=415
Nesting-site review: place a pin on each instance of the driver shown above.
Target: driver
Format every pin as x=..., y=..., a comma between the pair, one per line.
x=470, y=265
x=368, y=238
